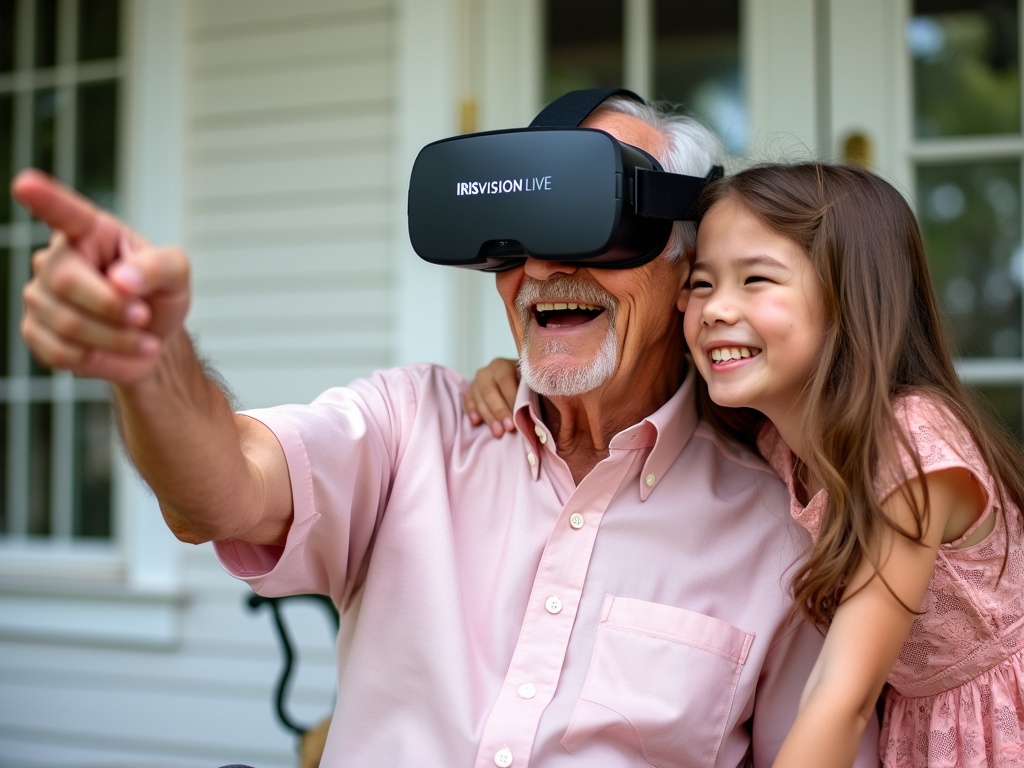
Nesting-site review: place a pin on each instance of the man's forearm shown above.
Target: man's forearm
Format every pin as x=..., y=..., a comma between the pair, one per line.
x=181, y=433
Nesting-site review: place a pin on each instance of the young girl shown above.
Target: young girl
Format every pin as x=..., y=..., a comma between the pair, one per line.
x=813, y=321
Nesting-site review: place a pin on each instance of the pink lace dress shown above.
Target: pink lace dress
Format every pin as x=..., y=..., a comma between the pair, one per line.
x=956, y=693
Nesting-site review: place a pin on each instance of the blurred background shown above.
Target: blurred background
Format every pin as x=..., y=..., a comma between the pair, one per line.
x=273, y=141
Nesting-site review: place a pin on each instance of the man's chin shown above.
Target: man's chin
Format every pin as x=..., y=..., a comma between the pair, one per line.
x=555, y=370
x=565, y=381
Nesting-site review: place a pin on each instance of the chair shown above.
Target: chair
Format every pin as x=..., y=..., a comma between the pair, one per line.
x=311, y=738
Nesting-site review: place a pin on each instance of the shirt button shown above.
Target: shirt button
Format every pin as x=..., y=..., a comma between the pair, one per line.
x=650, y=479
x=542, y=436
x=503, y=757
x=553, y=604
x=531, y=458
x=576, y=520
x=527, y=690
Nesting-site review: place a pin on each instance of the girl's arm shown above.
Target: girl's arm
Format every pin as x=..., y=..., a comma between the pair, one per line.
x=492, y=394
x=871, y=625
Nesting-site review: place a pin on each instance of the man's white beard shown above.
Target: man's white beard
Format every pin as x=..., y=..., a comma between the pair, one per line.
x=559, y=381
x=553, y=380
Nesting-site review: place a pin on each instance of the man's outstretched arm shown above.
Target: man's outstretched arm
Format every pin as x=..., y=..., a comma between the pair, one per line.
x=104, y=303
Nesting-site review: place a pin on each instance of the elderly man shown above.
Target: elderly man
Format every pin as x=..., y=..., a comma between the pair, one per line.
x=607, y=589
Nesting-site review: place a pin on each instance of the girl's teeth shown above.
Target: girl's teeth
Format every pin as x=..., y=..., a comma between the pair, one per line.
x=724, y=354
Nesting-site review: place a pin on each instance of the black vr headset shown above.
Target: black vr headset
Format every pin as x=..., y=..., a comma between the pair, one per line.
x=552, y=191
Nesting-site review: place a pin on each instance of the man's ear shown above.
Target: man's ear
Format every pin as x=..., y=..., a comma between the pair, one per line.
x=683, y=295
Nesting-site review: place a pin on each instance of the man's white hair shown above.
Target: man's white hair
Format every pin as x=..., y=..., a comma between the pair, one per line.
x=690, y=147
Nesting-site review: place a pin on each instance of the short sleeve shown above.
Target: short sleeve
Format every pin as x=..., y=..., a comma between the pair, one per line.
x=941, y=442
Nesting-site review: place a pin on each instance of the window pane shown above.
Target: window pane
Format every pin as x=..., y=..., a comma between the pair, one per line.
x=6, y=151
x=34, y=367
x=5, y=297
x=98, y=30
x=966, y=67
x=970, y=215
x=96, y=143
x=1008, y=403
x=5, y=521
x=92, y=468
x=697, y=64
x=46, y=33
x=40, y=442
x=7, y=27
x=44, y=130
x=583, y=46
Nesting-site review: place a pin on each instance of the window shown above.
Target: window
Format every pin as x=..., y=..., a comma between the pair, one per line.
x=684, y=53
x=967, y=149
x=61, y=73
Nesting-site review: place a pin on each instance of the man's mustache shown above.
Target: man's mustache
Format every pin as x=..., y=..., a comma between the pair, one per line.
x=562, y=289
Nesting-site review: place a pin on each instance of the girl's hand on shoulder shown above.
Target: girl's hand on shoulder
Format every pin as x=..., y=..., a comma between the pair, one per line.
x=492, y=394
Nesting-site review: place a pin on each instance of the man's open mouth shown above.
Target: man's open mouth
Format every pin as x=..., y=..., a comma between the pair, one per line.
x=565, y=314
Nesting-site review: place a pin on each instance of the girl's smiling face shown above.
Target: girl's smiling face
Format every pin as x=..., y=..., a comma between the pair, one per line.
x=754, y=318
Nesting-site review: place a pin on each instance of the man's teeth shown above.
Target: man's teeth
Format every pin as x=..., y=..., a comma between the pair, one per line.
x=724, y=354
x=551, y=307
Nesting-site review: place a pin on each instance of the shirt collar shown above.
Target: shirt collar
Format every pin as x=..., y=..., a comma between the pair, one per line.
x=664, y=432
x=533, y=432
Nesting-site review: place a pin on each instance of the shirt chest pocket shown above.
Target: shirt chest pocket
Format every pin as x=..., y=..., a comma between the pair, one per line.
x=661, y=680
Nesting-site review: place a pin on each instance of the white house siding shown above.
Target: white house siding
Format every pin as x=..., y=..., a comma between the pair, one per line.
x=289, y=215
x=200, y=703
x=290, y=189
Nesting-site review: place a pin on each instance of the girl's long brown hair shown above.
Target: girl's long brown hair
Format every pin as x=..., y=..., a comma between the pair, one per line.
x=883, y=339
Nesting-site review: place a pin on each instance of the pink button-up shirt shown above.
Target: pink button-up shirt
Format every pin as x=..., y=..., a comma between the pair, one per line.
x=507, y=616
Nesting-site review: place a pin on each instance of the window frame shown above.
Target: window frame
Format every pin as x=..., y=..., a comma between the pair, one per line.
x=923, y=152
x=128, y=590
x=61, y=392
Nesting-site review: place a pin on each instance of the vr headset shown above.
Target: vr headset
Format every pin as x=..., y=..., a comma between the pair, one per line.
x=552, y=191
